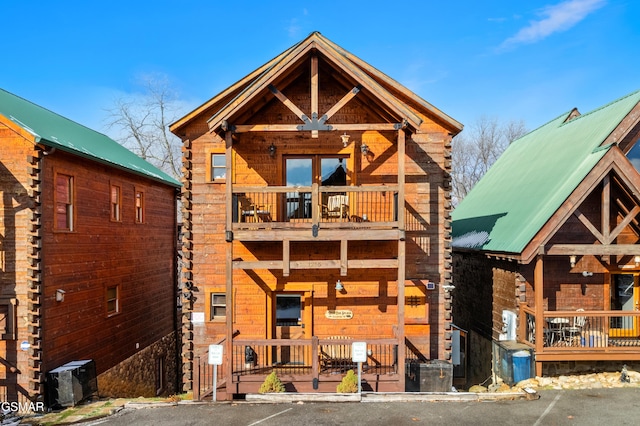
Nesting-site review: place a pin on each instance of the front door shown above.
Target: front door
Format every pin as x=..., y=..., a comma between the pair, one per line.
x=624, y=297
x=289, y=324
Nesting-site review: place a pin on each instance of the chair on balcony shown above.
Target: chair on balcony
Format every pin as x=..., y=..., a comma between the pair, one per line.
x=252, y=212
x=337, y=207
x=336, y=356
x=573, y=331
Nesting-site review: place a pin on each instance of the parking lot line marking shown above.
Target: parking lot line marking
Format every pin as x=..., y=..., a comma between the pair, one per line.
x=271, y=416
x=542, y=416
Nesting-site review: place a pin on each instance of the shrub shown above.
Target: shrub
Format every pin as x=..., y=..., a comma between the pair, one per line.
x=272, y=384
x=349, y=383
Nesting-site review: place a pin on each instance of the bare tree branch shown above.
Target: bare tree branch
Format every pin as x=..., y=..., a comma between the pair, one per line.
x=475, y=152
x=142, y=121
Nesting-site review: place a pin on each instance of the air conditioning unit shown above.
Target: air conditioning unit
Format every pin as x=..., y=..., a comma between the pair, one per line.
x=71, y=383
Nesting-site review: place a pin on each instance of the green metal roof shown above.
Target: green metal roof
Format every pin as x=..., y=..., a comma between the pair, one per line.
x=51, y=129
x=533, y=178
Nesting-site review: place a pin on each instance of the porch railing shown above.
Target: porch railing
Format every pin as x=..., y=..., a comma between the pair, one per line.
x=311, y=356
x=280, y=205
x=583, y=330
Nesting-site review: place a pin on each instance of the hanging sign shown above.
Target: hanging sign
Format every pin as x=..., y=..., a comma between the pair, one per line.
x=338, y=314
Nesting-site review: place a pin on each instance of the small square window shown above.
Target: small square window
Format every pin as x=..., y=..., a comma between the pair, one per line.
x=218, y=167
x=218, y=306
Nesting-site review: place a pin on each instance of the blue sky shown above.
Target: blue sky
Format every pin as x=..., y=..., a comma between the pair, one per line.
x=512, y=60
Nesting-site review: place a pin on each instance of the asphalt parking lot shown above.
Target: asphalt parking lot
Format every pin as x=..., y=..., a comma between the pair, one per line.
x=618, y=406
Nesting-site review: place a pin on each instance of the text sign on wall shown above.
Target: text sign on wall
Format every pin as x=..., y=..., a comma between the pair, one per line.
x=338, y=314
x=215, y=354
x=359, y=351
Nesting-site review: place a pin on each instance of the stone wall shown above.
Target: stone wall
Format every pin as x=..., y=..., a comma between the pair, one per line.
x=138, y=375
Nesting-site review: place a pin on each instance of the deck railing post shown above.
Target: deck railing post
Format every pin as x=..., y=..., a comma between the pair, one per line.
x=196, y=380
x=314, y=357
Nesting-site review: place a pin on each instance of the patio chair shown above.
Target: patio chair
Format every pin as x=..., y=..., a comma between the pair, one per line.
x=337, y=207
x=574, y=330
x=252, y=212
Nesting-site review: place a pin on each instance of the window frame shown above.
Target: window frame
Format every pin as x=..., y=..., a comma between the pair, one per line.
x=211, y=167
x=115, y=208
x=69, y=205
x=139, y=211
x=211, y=317
x=107, y=299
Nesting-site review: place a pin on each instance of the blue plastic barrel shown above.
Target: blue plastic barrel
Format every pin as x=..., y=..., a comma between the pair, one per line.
x=521, y=366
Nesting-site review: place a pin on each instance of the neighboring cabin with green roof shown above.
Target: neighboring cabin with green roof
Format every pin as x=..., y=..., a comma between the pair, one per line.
x=550, y=231
x=87, y=258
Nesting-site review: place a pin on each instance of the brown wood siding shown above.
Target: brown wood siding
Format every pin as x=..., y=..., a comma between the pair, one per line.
x=14, y=225
x=139, y=258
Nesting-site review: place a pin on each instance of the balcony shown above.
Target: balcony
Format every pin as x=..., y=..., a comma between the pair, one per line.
x=582, y=335
x=309, y=209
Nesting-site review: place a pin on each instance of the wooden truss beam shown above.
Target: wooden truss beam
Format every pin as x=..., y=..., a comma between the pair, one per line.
x=594, y=249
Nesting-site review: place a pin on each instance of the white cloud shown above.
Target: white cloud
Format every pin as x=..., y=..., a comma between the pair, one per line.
x=556, y=18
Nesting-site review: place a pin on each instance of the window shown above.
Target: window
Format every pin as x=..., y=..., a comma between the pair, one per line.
x=139, y=206
x=115, y=203
x=64, y=202
x=218, y=306
x=288, y=310
x=8, y=318
x=218, y=167
x=112, y=299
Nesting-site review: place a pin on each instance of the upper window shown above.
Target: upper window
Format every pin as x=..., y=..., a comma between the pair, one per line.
x=64, y=202
x=634, y=155
x=139, y=206
x=115, y=203
x=218, y=167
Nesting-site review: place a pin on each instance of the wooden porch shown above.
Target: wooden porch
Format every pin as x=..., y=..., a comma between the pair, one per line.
x=580, y=335
x=304, y=365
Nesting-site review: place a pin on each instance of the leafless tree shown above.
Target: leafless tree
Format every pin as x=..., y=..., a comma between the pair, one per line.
x=141, y=124
x=475, y=150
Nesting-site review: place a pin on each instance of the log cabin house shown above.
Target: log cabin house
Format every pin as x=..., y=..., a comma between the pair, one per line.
x=550, y=236
x=316, y=214
x=87, y=258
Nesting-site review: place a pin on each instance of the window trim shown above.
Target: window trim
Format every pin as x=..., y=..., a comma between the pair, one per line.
x=115, y=210
x=210, y=306
x=139, y=213
x=70, y=211
x=210, y=166
x=118, y=308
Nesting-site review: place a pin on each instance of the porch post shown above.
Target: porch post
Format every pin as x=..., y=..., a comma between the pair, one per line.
x=401, y=259
x=228, y=347
x=538, y=289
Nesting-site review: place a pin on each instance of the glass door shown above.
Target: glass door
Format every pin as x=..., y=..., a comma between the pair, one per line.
x=624, y=297
x=298, y=172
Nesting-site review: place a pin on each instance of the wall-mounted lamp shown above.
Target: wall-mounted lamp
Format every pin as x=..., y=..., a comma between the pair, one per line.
x=572, y=261
x=59, y=295
x=587, y=273
x=339, y=286
x=448, y=287
x=272, y=150
x=364, y=148
x=345, y=139
x=636, y=259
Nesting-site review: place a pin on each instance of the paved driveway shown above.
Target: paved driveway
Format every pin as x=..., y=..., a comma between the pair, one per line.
x=619, y=406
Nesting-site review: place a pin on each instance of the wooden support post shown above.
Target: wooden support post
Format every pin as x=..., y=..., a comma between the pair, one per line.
x=401, y=259
x=538, y=289
x=228, y=349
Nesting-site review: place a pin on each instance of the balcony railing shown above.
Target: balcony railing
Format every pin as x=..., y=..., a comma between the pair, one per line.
x=583, y=330
x=303, y=206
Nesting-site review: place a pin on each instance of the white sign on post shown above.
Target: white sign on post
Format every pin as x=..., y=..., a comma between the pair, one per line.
x=359, y=351
x=215, y=354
